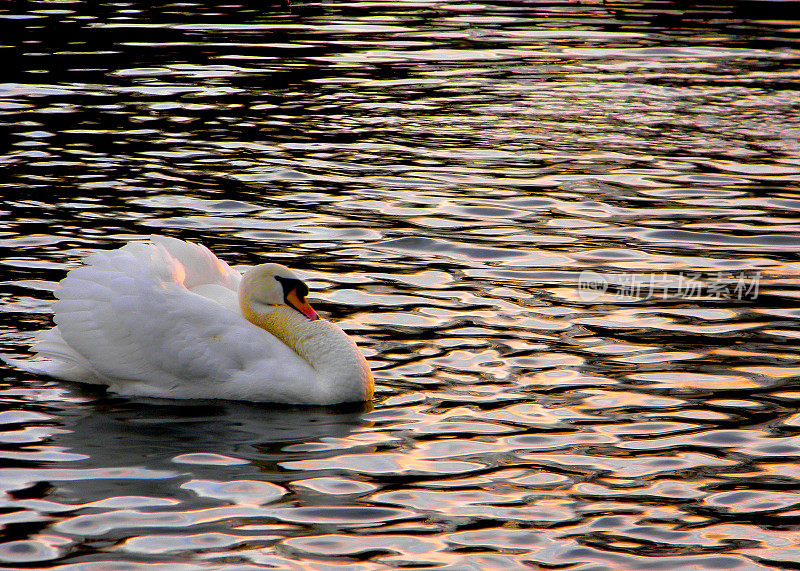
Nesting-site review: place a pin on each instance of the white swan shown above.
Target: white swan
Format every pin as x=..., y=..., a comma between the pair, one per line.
x=167, y=318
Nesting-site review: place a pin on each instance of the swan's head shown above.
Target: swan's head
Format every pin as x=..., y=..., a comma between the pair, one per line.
x=274, y=299
x=269, y=285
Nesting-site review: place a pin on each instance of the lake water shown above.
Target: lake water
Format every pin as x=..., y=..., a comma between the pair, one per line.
x=565, y=235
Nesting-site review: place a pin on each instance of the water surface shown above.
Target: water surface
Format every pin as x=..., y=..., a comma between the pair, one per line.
x=450, y=177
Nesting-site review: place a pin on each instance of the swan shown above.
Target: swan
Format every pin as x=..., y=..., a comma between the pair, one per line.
x=167, y=318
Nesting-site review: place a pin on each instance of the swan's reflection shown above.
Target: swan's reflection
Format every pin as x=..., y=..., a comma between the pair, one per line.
x=148, y=448
x=142, y=451
x=153, y=432
x=114, y=462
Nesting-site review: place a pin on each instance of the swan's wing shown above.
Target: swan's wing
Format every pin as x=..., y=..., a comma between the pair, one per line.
x=129, y=315
x=200, y=264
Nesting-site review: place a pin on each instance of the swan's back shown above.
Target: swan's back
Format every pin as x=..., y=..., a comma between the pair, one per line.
x=201, y=266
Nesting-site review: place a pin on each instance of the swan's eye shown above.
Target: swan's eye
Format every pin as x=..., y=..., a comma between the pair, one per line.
x=294, y=295
x=293, y=284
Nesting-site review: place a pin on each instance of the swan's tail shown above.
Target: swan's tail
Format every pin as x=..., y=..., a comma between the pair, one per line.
x=56, y=359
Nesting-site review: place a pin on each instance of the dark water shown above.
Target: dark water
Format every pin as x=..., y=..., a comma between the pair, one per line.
x=443, y=173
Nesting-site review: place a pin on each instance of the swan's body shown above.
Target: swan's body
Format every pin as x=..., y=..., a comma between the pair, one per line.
x=167, y=318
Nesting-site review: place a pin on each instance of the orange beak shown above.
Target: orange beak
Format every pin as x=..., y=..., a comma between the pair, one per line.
x=301, y=305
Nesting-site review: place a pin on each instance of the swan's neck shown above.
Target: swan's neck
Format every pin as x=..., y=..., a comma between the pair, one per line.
x=331, y=353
